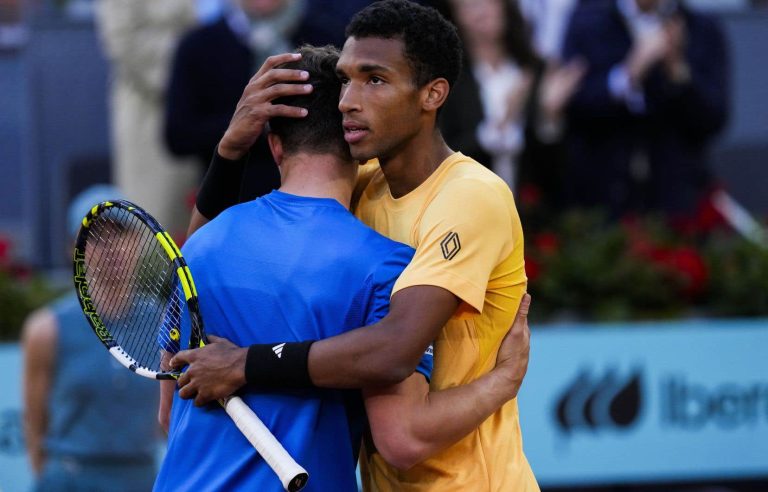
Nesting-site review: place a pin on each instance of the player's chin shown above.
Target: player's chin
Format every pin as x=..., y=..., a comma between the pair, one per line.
x=361, y=154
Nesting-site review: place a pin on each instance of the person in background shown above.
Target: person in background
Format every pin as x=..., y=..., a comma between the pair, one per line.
x=506, y=109
x=212, y=66
x=89, y=423
x=654, y=97
x=549, y=20
x=139, y=37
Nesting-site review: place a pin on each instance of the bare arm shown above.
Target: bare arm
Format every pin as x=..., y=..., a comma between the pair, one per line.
x=166, y=395
x=388, y=351
x=409, y=423
x=384, y=353
x=197, y=221
x=39, y=336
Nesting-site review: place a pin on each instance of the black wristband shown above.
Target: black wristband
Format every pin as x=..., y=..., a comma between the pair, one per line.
x=221, y=185
x=279, y=365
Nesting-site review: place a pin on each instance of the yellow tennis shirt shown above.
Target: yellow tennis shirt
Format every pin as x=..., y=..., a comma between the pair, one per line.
x=466, y=230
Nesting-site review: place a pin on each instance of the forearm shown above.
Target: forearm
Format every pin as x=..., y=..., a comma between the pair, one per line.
x=34, y=435
x=409, y=424
x=449, y=415
x=167, y=388
x=220, y=188
x=367, y=356
x=384, y=353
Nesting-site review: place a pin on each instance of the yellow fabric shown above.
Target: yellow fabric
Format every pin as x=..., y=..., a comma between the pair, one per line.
x=466, y=230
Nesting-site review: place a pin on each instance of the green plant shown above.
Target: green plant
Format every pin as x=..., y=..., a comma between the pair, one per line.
x=20, y=294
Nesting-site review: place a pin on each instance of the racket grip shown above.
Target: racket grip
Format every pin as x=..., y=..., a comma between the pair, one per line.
x=290, y=473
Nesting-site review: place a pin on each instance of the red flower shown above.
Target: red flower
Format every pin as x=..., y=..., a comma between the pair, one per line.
x=687, y=262
x=5, y=250
x=530, y=195
x=546, y=243
x=532, y=269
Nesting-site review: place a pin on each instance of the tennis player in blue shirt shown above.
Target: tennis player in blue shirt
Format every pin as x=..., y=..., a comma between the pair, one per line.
x=296, y=264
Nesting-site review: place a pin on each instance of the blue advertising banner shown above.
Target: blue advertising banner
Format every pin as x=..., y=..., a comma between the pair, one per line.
x=15, y=472
x=647, y=402
x=601, y=404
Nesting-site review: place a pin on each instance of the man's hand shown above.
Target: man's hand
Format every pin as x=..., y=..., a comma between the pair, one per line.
x=648, y=50
x=215, y=371
x=255, y=107
x=512, y=359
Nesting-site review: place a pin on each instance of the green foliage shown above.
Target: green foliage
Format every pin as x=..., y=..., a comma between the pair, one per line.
x=739, y=277
x=586, y=267
x=20, y=294
x=593, y=273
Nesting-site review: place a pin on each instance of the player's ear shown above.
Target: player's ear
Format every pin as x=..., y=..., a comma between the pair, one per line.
x=276, y=147
x=435, y=94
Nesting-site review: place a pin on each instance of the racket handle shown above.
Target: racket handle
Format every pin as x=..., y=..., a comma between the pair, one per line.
x=290, y=473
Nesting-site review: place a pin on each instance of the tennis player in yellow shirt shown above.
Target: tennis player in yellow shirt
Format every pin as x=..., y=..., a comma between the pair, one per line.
x=462, y=288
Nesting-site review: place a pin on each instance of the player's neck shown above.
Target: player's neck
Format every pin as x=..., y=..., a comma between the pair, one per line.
x=414, y=163
x=318, y=176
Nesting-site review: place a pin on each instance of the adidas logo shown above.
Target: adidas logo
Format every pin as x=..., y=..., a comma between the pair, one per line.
x=278, y=350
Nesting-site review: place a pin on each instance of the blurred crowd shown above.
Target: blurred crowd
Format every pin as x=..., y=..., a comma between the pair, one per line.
x=583, y=103
x=580, y=103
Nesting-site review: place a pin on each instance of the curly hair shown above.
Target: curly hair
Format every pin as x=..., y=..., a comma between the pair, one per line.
x=432, y=44
x=321, y=130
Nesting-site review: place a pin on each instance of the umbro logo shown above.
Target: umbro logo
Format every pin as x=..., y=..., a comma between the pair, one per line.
x=450, y=245
x=278, y=350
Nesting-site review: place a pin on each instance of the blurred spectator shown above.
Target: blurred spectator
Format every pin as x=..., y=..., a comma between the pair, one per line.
x=505, y=110
x=212, y=66
x=90, y=424
x=139, y=37
x=325, y=21
x=655, y=95
x=549, y=20
x=13, y=32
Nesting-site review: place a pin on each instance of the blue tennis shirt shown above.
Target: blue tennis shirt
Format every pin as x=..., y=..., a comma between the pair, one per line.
x=282, y=268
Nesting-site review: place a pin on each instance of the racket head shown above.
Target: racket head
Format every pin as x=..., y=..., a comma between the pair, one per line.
x=134, y=287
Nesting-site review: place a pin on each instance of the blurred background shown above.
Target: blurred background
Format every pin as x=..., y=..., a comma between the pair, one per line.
x=633, y=133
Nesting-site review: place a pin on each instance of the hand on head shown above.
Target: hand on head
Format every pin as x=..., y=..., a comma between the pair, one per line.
x=255, y=107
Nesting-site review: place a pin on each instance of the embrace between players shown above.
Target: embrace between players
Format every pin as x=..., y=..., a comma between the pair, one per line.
x=309, y=304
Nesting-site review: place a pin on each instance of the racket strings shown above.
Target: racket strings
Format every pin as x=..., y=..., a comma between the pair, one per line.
x=133, y=286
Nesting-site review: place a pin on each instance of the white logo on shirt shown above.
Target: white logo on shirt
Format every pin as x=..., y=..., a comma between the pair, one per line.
x=278, y=350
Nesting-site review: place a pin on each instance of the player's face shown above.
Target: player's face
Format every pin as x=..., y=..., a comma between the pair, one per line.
x=379, y=100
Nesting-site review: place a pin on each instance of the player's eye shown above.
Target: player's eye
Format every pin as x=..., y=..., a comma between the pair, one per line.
x=376, y=80
x=343, y=80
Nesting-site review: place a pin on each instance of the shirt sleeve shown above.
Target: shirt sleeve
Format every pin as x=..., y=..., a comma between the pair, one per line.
x=383, y=280
x=466, y=231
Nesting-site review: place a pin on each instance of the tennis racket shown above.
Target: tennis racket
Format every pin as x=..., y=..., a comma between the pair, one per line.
x=135, y=287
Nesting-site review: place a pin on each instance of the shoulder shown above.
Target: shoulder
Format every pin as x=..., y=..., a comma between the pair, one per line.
x=379, y=247
x=219, y=227
x=468, y=179
x=40, y=327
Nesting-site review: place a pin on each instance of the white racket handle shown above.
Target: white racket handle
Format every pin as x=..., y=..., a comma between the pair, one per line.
x=291, y=474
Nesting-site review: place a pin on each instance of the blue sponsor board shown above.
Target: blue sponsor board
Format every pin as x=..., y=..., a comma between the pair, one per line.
x=601, y=404
x=15, y=472
x=649, y=402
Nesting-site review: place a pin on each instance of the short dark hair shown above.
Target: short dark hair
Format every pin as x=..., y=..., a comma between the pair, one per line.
x=432, y=45
x=321, y=130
